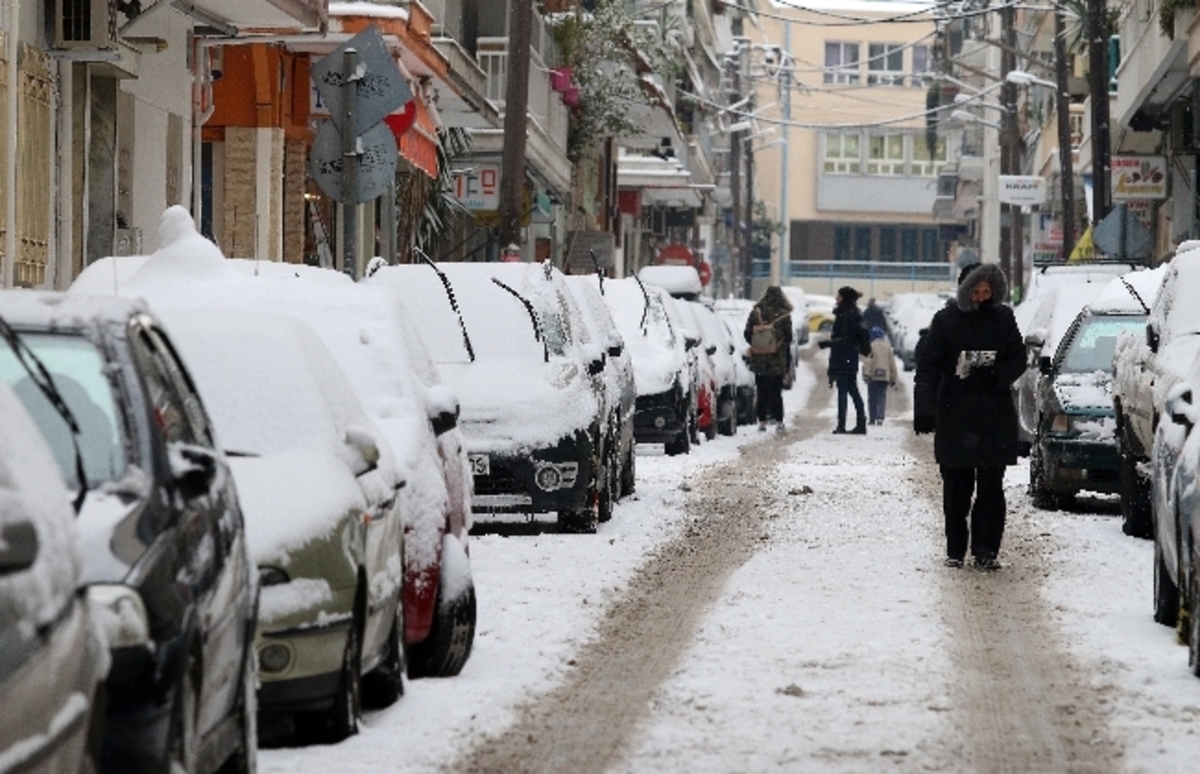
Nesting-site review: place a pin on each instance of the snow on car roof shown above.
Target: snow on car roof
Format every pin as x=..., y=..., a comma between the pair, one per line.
x=676, y=280
x=37, y=308
x=656, y=350
x=1058, y=309
x=1116, y=296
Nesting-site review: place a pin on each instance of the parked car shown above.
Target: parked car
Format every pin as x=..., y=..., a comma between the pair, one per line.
x=666, y=388
x=723, y=353
x=908, y=314
x=161, y=529
x=801, y=329
x=319, y=486
x=820, y=312
x=376, y=344
x=733, y=313
x=1147, y=366
x=506, y=339
x=1074, y=446
x=1173, y=473
x=620, y=390
x=54, y=659
x=703, y=352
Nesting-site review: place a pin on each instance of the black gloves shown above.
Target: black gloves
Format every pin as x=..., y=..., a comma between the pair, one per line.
x=924, y=424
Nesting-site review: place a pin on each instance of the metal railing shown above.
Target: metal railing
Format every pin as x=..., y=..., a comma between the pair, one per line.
x=873, y=271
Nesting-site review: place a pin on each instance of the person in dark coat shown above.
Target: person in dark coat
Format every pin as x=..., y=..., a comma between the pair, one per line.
x=874, y=317
x=967, y=364
x=769, y=367
x=843, y=343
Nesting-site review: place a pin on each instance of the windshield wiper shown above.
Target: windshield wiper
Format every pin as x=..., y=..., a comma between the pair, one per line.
x=646, y=308
x=453, y=301
x=1134, y=293
x=45, y=383
x=537, y=332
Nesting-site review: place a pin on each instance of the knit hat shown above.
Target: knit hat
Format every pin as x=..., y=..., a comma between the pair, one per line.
x=849, y=295
x=876, y=333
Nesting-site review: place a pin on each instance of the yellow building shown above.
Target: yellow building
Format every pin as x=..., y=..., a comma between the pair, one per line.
x=840, y=104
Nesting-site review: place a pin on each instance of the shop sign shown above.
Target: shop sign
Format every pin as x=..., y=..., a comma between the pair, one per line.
x=478, y=188
x=1022, y=189
x=1139, y=177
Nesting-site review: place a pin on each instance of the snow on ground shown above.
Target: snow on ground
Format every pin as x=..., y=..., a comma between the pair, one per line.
x=877, y=681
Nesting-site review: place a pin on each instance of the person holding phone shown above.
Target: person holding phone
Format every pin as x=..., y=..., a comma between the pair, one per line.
x=967, y=365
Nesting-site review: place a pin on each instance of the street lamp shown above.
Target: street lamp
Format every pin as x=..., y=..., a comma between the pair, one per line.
x=968, y=117
x=1023, y=78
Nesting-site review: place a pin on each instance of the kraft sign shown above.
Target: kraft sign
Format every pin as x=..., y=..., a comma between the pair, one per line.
x=1022, y=189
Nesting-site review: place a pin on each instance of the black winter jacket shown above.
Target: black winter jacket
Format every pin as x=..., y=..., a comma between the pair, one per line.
x=976, y=420
x=843, y=339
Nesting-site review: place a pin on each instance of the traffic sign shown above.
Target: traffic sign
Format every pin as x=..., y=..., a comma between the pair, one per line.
x=376, y=162
x=1121, y=234
x=705, y=272
x=675, y=255
x=380, y=86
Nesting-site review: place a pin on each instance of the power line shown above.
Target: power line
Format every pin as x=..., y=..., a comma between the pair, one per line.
x=918, y=16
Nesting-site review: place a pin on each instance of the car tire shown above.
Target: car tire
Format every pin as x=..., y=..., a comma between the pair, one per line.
x=1136, y=513
x=710, y=432
x=444, y=652
x=384, y=685
x=629, y=472
x=1194, y=625
x=181, y=746
x=245, y=759
x=606, y=497
x=1166, y=593
x=681, y=445
x=1041, y=497
x=347, y=704
x=578, y=521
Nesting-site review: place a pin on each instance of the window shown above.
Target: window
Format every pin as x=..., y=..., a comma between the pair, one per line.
x=841, y=243
x=841, y=154
x=887, y=244
x=920, y=66
x=862, y=243
x=923, y=164
x=886, y=155
x=929, y=245
x=908, y=245
x=841, y=63
x=885, y=64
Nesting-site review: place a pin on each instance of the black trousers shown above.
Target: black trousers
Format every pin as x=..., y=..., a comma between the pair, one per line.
x=987, y=514
x=769, y=403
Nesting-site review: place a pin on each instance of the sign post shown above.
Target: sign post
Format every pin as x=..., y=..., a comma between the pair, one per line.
x=349, y=164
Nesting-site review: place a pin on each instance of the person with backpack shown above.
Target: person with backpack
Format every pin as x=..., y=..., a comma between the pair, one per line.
x=847, y=341
x=879, y=372
x=769, y=334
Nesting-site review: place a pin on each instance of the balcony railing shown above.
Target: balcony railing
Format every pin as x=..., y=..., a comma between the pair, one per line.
x=871, y=271
x=545, y=105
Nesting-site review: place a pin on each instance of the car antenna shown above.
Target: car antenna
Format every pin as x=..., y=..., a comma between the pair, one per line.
x=646, y=308
x=537, y=333
x=599, y=274
x=1134, y=293
x=453, y=302
x=41, y=377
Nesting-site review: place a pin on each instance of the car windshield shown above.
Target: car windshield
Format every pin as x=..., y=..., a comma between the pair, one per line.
x=78, y=369
x=1092, y=346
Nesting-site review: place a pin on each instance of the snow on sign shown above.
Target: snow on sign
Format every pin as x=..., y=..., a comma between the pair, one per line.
x=380, y=86
x=1022, y=189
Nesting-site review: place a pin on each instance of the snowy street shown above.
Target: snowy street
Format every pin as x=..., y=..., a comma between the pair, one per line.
x=778, y=604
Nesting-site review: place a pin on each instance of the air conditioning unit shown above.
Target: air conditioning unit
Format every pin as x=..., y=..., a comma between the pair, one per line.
x=85, y=24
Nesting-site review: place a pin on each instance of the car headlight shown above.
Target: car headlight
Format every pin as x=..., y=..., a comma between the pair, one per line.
x=121, y=614
x=1060, y=423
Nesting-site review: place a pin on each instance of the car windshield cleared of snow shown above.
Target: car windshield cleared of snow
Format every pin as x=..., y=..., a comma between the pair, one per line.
x=1092, y=346
x=78, y=370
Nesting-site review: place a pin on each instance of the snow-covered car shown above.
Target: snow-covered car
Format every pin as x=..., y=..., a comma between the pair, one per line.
x=54, y=659
x=662, y=367
x=820, y=312
x=704, y=351
x=1175, y=464
x=1147, y=367
x=801, y=329
x=160, y=526
x=719, y=344
x=376, y=343
x=733, y=313
x=506, y=339
x=620, y=392
x=908, y=315
x=319, y=487
x=1074, y=447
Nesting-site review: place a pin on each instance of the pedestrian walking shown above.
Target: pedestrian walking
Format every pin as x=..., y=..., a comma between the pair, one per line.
x=769, y=334
x=967, y=364
x=879, y=372
x=847, y=341
x=874, y=317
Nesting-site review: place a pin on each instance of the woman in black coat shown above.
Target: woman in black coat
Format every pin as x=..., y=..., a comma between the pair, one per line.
x=845, y=338
x=970, y=359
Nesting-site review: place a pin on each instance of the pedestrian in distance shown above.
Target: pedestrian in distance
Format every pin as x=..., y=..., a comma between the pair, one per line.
x=769, y=334
x=874, y=317
x=967, y=365
x=847, y=341
x=879, y=372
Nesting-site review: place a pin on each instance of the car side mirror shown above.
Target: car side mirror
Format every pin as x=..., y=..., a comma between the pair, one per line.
x=596, y=367
x=731, y=349
x=691, y=342
x=18, y=546
x=443, y=409
x=1152, y=337
x=711, y=349
x=365, y=449
x=1034, y=341
x=1045, y=364
x=193, y=468
x=615, y=345
x=443, y=422
x=1179, y=406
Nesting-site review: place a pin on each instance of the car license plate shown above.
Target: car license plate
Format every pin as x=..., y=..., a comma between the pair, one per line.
x=480, y=464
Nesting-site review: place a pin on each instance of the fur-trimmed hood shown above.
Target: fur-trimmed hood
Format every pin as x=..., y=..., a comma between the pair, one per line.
x=985, y=271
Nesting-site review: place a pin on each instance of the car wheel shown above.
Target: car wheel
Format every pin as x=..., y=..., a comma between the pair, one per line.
x=629, y=472
x=681, y=445
x=384, y=684
x=1039, y=495
x=245, y=759
x=445, y=651
x=1166, y=593
x=182, y=744
x=1135, y=497
x=1194, y=625
x=580, y=521
x=710, y=432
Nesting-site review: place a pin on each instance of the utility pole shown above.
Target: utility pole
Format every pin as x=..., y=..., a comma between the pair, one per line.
x=1066, y=162
x=1010, y=234
x=748, y=218
x=735, y=184
x=516, y=102
x=1098, y=34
